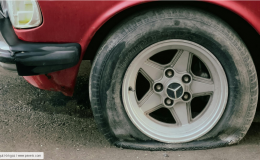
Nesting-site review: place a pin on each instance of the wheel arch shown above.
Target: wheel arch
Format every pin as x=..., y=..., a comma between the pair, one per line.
x=233, y=14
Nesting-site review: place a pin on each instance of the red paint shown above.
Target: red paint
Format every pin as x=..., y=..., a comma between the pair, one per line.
x=78, y=21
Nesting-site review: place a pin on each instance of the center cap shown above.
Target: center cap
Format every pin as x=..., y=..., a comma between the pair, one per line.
x=174, y=90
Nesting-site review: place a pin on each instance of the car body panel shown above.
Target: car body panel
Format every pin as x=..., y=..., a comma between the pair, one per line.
x=78, y=21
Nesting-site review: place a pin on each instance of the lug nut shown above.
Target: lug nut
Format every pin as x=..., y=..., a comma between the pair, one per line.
x=186, y=79
x=186, y=96
x=168, y=102
x=158, y=87
x=169, y=73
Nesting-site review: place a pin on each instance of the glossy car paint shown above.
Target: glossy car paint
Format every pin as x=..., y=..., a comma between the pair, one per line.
x=78, y=21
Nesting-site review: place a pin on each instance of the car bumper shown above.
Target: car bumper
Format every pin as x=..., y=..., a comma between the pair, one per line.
x=34, y=58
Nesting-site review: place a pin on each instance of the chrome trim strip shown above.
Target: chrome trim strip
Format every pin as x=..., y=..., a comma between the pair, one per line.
x=3, y=44
x=8, y=66
x=3, y=9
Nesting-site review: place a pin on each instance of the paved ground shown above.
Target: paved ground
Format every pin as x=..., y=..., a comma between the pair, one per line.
x=63, y=128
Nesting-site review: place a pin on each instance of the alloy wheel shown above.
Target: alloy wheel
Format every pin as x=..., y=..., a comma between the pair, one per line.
x=183, y=93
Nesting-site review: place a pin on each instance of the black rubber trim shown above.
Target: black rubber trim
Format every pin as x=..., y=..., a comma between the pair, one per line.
x=36, y=58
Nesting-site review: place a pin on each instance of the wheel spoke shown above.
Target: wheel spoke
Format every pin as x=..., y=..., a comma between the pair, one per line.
x=180, y=113
x=150, y=103
x=182, y=61
x=200, y=87
x=151, y=71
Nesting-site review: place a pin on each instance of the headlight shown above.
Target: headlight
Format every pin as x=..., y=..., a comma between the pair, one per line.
x=23, y=14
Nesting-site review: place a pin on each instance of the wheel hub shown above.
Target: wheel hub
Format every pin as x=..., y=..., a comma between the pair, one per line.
x=175, y=87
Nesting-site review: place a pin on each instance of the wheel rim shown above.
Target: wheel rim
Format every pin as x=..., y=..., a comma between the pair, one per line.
x=174, y=87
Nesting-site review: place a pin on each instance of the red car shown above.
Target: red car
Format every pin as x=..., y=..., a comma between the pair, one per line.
x=165, y=75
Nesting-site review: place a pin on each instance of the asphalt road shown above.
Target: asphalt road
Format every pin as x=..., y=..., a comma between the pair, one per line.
x=34, y=120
